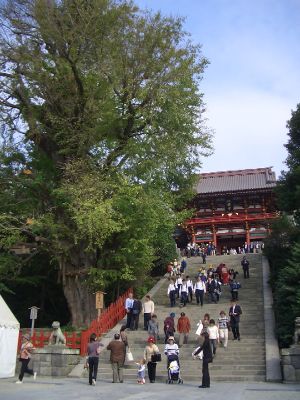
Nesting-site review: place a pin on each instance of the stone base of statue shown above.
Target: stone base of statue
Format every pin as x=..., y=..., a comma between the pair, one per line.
x=290, y=360
x=54, y=360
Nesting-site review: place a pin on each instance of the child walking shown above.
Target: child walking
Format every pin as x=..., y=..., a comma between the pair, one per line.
x=141, y=372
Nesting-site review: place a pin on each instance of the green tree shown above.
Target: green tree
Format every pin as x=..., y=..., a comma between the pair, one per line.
x=289, y=183
x=287, y=300
x=105, y=100
x=283, y=246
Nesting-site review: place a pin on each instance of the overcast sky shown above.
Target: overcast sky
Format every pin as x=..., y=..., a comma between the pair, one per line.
x=253, y=80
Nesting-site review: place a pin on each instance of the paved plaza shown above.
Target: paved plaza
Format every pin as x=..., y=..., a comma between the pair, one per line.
x=73, y=389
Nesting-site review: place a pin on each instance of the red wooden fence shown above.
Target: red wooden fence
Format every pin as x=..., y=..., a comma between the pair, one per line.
x=40, y=338
x=108, y=319
x=76, y=340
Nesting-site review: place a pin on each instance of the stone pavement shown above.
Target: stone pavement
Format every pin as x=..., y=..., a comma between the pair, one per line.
x=73, y=389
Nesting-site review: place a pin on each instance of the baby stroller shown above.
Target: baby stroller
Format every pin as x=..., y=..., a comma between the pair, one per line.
x=174, y=370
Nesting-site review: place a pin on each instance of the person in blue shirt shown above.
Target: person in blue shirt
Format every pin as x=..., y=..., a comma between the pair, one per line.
x=129, y=307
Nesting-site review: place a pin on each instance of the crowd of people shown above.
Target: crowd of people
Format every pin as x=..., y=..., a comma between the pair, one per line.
x=209, y=249
x=207, y=286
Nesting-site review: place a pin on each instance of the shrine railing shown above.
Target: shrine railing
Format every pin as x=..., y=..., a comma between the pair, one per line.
x=108, y=319
x=40, y=338
x=79, y=340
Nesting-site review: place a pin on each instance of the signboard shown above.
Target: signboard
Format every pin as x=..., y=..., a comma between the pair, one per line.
x=33, y=317
x=99, y=300
x=33, y=312
x=204, y=237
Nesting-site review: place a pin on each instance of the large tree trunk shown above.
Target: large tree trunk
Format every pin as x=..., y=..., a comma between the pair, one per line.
x=80, y=299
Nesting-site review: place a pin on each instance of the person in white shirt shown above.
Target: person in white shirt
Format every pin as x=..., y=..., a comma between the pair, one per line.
x=184, y=293
x=172, y=293
x=213, y=332
x=199, y=290
x=128, y=307
x=171, y=350
x=178, y=284
x=148, y=310
x=189, y=283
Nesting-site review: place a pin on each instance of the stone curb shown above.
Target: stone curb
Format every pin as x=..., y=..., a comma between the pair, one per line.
x=273, y=368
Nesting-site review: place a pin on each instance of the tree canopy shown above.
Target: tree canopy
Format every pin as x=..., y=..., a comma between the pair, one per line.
x=102, y=135
x=283, y=247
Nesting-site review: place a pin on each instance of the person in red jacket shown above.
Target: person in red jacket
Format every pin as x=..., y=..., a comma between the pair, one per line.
x=183, y=328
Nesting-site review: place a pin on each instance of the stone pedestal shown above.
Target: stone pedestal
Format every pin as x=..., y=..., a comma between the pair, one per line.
x=290, y=360
x=55, y=360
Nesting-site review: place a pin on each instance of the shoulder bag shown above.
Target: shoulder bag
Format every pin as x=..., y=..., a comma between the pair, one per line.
x=129, y=356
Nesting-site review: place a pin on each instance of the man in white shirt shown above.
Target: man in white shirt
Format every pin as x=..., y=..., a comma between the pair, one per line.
x=128, y=307
x=199, y=290
x=148, y=310
x=189, y=283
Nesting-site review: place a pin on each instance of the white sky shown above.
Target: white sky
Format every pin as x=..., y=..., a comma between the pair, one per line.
x=253, y=81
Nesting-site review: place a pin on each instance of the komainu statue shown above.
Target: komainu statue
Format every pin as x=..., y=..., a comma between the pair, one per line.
x=57, y=337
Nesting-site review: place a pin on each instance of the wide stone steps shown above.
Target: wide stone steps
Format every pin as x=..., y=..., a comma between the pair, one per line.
x=241, y=361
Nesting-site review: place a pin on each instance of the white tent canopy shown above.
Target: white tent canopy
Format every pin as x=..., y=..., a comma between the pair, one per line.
x=9, y=334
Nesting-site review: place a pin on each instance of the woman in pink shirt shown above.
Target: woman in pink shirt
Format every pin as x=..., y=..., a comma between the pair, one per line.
x=25, y=356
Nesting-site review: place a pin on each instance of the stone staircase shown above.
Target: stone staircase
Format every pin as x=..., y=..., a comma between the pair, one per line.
x=242, y=361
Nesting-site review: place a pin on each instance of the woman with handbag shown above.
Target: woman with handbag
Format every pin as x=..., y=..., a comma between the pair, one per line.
x=151, y=353
x=207, y=358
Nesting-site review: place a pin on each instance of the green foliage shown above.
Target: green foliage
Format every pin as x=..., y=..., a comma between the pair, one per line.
x=104, y=101
x=287, y=301
x=283, y=246
x=289, y=184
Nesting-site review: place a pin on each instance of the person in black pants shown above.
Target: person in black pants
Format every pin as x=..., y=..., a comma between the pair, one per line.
x=150, y=350
x=172, y=293
x=207, y=358
x=199, y=290
x=136, y=310
x=245, y=265
x=25, y=356
x=128, y=308
x=234, y=312
x=93, y=351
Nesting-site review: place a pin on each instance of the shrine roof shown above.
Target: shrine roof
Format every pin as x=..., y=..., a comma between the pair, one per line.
x=240, y=180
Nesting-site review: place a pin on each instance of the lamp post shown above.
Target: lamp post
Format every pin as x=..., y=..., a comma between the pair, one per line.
x=33, y=317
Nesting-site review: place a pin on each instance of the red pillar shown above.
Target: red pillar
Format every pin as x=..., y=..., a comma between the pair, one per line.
x=247, y=234
x=193, y=235
x=214, y=236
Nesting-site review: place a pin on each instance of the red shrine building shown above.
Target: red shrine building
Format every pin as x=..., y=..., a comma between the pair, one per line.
x=233, y=207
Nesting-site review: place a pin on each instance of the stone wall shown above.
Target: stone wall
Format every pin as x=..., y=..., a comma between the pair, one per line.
x=290, y=361
x=54, y=360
